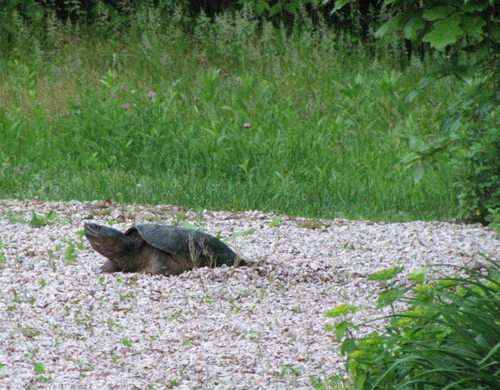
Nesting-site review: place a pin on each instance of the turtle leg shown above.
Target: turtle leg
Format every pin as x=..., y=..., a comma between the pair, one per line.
x=157, y=268
x=108, y=267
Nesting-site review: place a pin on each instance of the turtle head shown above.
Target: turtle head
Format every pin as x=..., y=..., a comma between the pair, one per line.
x=110, y=242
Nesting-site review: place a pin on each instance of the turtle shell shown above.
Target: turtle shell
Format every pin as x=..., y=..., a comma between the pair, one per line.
x=187, y=244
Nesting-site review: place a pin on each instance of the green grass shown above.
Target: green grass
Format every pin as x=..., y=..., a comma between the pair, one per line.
x=329, y=122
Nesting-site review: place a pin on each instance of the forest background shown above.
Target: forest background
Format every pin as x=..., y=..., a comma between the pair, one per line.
x=381, y=110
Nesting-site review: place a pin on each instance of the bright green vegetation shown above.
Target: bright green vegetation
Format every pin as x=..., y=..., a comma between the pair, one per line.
x=448, y=338
x=329, y=123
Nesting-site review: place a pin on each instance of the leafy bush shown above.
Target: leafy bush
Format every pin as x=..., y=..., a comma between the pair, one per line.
x=467, y=36
x=447, y=338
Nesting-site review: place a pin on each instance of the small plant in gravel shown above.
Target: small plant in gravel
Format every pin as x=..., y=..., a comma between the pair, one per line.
x=39, y=368
x=275, y=222
x=178, y=218
x=81, y=234
x=28, y=332
x=14, y=218
x=331, y=383
x=3, y=259
x=16, y=298
x=126, y=342
x=39, y=220
x=85, y=322
x=110, y=324
x=288, y=370
x=238, y=234
x=52, y=263
x=446, y=337
x=69, y=254
x=128, y=297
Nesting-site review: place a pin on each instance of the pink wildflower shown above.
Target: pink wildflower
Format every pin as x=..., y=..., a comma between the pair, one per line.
x=246, y=125
x=152, y=94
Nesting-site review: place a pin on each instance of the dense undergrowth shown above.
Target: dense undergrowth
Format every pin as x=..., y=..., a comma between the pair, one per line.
x=234, y=114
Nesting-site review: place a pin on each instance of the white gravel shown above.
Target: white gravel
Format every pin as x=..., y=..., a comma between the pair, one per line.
x=255, y=327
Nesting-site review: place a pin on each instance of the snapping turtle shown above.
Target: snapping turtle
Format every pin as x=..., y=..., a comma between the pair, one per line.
x=158, y=249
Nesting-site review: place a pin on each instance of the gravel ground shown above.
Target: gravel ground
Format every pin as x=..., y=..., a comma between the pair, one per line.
x=255, y=327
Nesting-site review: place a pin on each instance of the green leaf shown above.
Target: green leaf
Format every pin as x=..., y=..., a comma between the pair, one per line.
x=450, y=124
x=389, y=296
x=126, y=343
x=472, y=6
x=360, y=380
x=276, y=220
x=473, y=26
x=418, y=173
x=411, y=96
x=388, y=27
x=39, y=367
x=341, y=327
x=439, y=12
x=240, y=234
x=385, y=274
x=187, y=225
x=444, y=32
x=417, y=276
x=348, y=346
x=261, y=6
x=292, y=8
x=275, y=9
x=413, y=26
x=340, y=3
x=340, y=310
x=492, y=352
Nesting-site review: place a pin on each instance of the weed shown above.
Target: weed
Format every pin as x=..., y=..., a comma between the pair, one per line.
x=330, y=383
x=69, y=255
x=14, y=218
x=289, y=370
x=126, y=343
x=3, y=258
x=29, y=332
x=16, y=298
x=52, y=263
x=178, y=218
x=39, y=368
x=275, y=222
x=39, y=221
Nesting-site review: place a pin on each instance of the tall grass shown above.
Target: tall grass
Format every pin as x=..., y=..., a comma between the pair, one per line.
x=328, y=122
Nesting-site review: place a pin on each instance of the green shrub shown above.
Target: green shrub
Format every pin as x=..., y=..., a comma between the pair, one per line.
x=467, y=37
x=448, y=337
